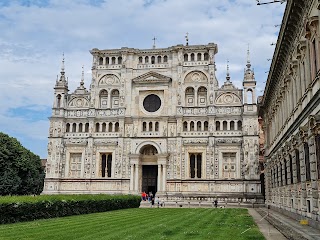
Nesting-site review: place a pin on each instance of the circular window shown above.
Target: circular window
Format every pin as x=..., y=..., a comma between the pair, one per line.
x=151, y=103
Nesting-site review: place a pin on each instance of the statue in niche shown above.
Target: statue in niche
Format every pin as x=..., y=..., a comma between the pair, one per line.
x=211, y=98
x=164, y=131
x=179, y=99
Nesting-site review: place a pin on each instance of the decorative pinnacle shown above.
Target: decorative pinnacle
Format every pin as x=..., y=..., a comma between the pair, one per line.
x=154, y=42
x=62, y=66
x=187, y=39
x=248, y=58
x=82, y=77
x=228, y=73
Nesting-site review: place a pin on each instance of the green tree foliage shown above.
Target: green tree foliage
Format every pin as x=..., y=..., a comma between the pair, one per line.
x=21, y=172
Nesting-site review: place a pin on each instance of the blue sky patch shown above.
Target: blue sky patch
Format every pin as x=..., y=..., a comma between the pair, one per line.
x=31, y=113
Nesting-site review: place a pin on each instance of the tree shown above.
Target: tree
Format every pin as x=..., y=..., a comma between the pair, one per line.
x=21, y=172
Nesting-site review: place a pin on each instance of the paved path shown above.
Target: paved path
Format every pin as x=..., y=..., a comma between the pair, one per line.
x=268, y=231
x=290, y=227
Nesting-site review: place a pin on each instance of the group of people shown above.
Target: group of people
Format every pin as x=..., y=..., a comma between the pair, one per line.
x=150, y=198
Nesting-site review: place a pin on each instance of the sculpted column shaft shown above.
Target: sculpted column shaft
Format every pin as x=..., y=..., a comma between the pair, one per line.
x=159, y=178
x=131, y=177
x=136, y=180
x=164, y=171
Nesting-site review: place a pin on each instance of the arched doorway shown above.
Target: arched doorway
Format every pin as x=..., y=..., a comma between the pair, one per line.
x=149, y=169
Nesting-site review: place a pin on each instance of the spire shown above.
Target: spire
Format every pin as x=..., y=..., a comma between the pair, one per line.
x=228, y=73
x=62, y=77
x=82, y=77
x=248, y=58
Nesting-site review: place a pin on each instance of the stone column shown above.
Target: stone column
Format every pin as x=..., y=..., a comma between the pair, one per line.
x=131, y=176
x=134, y=176
x=162, y=180
x=164, y=174
x=314, y=175
x=303, y=181
x=136, y=182
x=159, y=178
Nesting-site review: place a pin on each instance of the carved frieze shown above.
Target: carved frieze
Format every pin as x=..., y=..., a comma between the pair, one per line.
x=195, y=142
x=76, y=141
x=108, y=142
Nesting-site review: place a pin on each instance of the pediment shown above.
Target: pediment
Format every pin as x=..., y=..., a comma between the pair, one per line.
x=151, y=78
x=78, y=102
x=228, y=99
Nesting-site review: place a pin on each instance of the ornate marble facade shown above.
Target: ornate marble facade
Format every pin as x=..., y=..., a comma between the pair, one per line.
x=290, y=109
x=155, y=120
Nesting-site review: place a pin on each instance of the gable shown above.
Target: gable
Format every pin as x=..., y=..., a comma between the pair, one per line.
x=228, y=99
x=150, y=78
x=78, y=102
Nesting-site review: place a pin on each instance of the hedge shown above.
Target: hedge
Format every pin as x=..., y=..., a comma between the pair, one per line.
x=28, y=208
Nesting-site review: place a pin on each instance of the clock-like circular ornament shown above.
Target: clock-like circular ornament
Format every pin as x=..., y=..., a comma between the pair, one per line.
x=152, y=103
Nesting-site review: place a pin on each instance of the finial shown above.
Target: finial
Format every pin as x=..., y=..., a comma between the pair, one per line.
x=62, y=66
x=248, y=58
x=82, y=77
x=228, y=73
x=154, y=42
x=187, y=39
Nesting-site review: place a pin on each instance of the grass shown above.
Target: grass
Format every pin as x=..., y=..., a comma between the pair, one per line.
x=153, y=223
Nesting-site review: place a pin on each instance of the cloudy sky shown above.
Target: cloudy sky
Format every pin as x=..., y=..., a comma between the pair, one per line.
x=35, y=33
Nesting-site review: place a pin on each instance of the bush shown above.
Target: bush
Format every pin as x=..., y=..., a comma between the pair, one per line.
x=28, y=208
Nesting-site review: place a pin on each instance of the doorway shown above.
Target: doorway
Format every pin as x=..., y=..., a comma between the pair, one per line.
x=149, y=178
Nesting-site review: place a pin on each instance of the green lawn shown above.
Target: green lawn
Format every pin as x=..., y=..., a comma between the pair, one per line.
x=145, y=223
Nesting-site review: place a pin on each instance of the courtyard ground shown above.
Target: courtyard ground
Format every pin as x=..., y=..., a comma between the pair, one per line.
x=147, y=223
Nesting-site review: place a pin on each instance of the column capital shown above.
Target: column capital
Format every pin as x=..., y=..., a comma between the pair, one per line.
x=134, y=158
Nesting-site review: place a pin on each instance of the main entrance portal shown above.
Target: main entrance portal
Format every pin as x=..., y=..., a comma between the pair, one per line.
x=149, y=178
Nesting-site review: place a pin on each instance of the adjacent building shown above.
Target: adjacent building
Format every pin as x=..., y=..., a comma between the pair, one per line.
x=156, y=120
x=290, y=109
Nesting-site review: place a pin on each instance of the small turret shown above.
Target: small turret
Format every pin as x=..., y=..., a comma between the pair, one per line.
x=61, y=88
x=249, y=83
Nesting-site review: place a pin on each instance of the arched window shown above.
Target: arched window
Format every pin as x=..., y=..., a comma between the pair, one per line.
x=97, y=127
x=202, y=96
x=249, y=96
x=192, y=57
x=191, y=126
x=150, y=126
x=119, y=60
x=206, y=126
x=185, y=126
x=58, y=101
x=225, y=125
x=165, y=59
x=192, y=165
x=189, y=98
x=307, y=161
x=198, y=126
x=100, y=61
x=144, y=126
x=103, y=99
x=68, y=127
x=107, y=60
x=298, y=165
x=86, y=127
x=113, y=60
x=116, y=127
x=232, y=125
x=217, y=126
x=153, y=60
x=74, y=127
x=159, y=59
x=104, y=127
x=110, y=127
x=140, y=59
x=239, y=125
x=115, y=98
x=80, y=127
x=146, y=59
x=185, y=57
x=156, y=128
x=199, y=57
x=206, y=56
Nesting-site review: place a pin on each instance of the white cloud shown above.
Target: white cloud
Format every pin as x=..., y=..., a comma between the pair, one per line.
x=34, y=37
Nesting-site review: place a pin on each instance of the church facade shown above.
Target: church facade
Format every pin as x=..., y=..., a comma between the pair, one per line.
x=155, y=120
